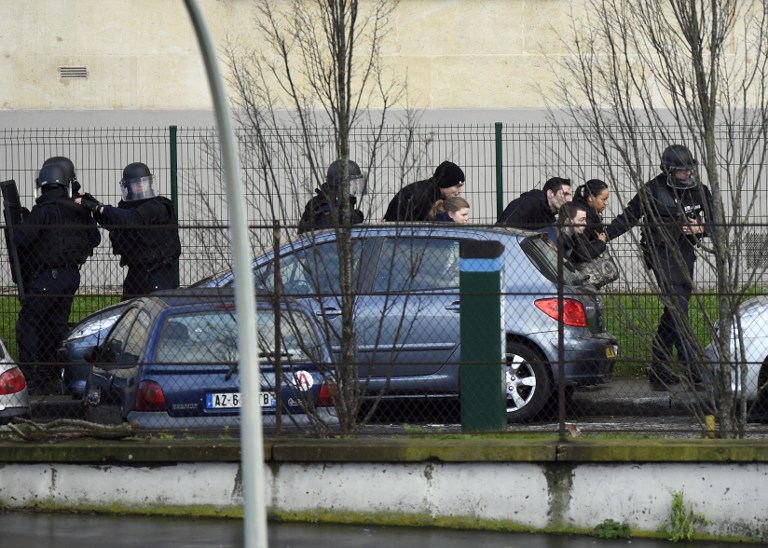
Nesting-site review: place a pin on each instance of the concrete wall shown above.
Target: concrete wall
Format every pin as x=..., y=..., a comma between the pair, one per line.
x=473, y=483
x=503, y=495
x=142, y=54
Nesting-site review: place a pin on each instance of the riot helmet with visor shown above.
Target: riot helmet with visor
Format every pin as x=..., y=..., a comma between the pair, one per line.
x=676, y=161
x=136, y=183
x=358, y=180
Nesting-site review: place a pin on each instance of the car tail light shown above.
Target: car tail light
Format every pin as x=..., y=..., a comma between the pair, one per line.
x=12, y=381
x=327, y=395
x=573, y=311
x=150, y=397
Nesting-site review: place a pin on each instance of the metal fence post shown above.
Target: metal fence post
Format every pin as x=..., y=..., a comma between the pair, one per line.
x=483, y=398
x=499, y=172
x=174, y=157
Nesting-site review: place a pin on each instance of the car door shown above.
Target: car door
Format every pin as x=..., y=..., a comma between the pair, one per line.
x=407, y=319
x=119, y=357
x=310, y=274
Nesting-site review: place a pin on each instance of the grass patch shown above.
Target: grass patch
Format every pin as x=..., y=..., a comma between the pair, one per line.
x=82, y=306
x=633, y=317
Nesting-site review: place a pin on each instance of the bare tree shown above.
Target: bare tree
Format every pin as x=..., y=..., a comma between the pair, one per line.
x=313, y=91
x=647, y=74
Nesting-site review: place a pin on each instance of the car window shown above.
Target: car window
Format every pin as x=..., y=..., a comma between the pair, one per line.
x=312, y=270
x=410, y=264
x=543, y=253
x=211, y=337
x=128, y=338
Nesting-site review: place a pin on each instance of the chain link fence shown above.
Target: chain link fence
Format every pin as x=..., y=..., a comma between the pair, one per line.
x=365, y=337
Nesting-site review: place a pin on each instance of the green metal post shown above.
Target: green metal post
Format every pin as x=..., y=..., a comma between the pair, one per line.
x=499, y=172
x=483, y=397
x=174, y=186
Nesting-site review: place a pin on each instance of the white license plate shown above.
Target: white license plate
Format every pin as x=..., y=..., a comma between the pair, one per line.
x=232, y=400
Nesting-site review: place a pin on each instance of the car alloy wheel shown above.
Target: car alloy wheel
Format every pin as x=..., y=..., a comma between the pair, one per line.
x=527, y=383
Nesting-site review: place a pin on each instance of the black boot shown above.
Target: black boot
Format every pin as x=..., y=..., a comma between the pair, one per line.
x=661, y=378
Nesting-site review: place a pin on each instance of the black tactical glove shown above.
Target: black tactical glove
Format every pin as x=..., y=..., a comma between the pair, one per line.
x=89, y=202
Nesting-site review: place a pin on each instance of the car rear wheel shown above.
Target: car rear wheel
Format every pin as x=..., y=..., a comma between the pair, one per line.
x=527, y=383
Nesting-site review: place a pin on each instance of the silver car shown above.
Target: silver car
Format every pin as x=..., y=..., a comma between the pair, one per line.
x=14, y=398
x=407, y=310
x=753, y=319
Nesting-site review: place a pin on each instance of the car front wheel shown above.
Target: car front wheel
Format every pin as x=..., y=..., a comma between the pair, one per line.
x=528, y=385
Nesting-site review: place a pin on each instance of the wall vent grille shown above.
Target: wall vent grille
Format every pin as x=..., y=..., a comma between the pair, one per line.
x=69, y=73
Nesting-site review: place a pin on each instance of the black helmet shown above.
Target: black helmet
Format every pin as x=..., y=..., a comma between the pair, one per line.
x=678, y=158
x=65, y=164
x=357, y=178
x=136, y=183
x=50, y=176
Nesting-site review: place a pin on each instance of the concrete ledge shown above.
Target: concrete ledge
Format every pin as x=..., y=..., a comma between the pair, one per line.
x=394, y=450
x=125, y=451
x=671, y=451
x=415, y=450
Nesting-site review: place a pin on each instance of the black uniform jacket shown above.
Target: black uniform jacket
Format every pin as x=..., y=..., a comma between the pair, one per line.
x=414, y=202
x=664, y=210
x=530, y=211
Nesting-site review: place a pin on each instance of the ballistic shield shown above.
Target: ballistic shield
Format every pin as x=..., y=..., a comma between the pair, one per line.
x=14, y=215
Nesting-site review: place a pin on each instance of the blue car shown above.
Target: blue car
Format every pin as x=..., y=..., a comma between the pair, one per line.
x=171, y=361
x=407, y=310
x=90, y=331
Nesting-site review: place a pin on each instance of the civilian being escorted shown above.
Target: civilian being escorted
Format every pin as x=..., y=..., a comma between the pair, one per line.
x=450, y=210
x=593, y=196
x=537, y=209
x=415, y=201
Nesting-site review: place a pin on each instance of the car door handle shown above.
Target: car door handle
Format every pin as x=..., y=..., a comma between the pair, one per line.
x=331, y=312
x=455, y=306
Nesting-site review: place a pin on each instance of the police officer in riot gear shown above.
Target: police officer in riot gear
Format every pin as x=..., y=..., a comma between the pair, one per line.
x=325, y=208
x=55, y=239
x=143, y=230
x=69, y=171
x=673, y=207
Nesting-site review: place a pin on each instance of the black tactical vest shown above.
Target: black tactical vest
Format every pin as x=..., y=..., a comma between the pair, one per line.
x=148, y=247
x=66, y=242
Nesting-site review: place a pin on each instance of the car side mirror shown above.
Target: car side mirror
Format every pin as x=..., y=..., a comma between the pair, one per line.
x=104, y=354
x=62, y=354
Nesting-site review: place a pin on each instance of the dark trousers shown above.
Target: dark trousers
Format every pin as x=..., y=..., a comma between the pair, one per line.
x=673, y=332
x=43, y=321
x=142, y=281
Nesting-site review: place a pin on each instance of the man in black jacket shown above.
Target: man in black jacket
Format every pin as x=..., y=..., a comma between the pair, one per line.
x=414, y=201
x=143, y=230
x=537, y=209
x=673, y=207
x=55, y=239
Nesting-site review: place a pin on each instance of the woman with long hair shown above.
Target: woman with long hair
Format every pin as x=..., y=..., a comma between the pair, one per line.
x=451, y=210
x=593, y=195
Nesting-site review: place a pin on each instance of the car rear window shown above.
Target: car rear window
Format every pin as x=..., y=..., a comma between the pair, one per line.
x=211, y=338
x=542, y=251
